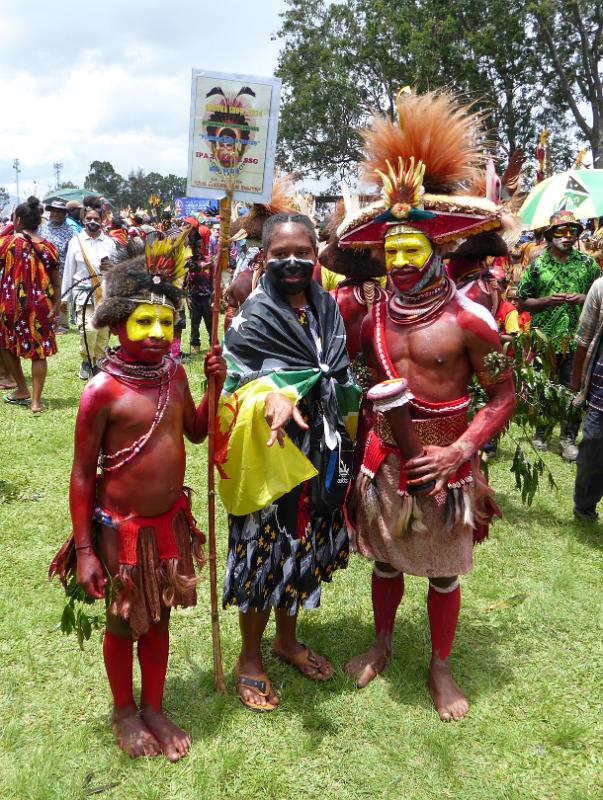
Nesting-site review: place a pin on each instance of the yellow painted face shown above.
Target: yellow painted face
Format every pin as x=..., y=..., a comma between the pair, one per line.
x=407, y=249
x=150, y=322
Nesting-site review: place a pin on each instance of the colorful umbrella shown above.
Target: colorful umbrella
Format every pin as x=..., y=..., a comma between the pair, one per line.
x=577, y=190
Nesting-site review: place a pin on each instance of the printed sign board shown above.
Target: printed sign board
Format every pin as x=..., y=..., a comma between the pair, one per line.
x=233, y=130
x=185, y=206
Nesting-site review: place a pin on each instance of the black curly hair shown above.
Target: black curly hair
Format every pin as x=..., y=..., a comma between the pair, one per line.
x=30, y=213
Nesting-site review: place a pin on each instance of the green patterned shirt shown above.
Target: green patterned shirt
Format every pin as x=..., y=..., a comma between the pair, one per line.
x=546, y=276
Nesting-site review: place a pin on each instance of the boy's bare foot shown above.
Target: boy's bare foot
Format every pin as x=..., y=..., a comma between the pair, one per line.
x=365, y=667
x=450, y=702
x=173, y=741
x=132, y=735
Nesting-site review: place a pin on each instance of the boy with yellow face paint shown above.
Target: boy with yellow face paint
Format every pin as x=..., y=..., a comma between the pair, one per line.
x=422, y=344
x=134, y=538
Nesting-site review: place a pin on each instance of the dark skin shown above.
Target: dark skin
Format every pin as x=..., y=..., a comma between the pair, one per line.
x=438, y=360
x=578, y=366
x=111, y=416
x=560, y=249
x=287, y=239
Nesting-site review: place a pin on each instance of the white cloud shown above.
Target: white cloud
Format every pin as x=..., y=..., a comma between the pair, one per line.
x=112, y=82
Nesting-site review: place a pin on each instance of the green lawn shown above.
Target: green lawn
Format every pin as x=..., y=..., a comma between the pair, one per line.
x=529, y=653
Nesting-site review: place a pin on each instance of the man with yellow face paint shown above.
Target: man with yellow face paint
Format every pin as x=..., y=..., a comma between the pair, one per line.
x=421, y=514
x=134, y=535
x=409, y=259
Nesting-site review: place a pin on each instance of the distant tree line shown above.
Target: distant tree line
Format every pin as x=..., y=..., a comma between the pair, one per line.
x=136, y=190
x=528, y=64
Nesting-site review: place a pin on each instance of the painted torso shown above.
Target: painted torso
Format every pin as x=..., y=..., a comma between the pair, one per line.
x=435, y=357
x=151, y=482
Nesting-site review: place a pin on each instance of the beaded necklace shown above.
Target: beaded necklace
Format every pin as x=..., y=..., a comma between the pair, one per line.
x=420, y=308
x=133, y=375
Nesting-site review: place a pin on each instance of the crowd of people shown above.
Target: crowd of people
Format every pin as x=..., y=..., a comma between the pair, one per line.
x=345, y=421
x=77, y=242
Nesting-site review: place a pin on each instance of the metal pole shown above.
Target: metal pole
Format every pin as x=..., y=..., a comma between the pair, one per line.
x=17, y=171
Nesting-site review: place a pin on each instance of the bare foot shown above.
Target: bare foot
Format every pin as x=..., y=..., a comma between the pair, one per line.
x=365, y=667
x=255, y=689
x=173, y=741
x=132, y=735
x=450, y=702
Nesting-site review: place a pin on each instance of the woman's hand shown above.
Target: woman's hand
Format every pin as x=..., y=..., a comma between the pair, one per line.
x=54, y=311
x=278, y=411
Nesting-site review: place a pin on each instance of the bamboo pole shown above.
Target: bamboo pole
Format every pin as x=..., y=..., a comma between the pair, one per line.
x=221, y=264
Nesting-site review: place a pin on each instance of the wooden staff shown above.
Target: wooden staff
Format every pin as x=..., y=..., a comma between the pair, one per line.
x=221, y=264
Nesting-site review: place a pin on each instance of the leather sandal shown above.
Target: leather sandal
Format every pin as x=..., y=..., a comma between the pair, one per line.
x=261, y=687
x=307, y=663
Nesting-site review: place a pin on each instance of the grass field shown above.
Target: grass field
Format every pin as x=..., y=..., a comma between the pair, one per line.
x=529, y=653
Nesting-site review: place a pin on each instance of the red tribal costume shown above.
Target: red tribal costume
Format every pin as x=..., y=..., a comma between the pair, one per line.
x=422, y=512
x=420, y=535
x=134, y=537
x=155, y=562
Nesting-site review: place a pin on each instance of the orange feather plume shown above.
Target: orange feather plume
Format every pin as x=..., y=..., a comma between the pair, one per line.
x=433, y=128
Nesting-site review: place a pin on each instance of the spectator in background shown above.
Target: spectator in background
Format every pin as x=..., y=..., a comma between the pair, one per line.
x=29, y=302
x=199, y=289
x=58, y=231
x=587, y=380
x=553, y=289
x=74, y=212
x=88, y=254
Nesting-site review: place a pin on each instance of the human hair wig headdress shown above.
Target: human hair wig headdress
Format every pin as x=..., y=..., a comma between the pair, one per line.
x=422, y=162
x=153, y=274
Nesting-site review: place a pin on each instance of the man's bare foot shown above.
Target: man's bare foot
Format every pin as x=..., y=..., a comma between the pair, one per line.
x=450, y=702
x=132, y=735
x=173, y=741
x=254, y=689
x=365, y=667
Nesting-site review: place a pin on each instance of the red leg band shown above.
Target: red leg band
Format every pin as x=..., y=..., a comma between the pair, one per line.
x=443, y=609
x=118, y=654
x=387, y=595
x=153, y=651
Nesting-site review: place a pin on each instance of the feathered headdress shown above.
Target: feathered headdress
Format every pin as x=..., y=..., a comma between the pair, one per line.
x=282, y=200
x=154, y=275
x=422, y=163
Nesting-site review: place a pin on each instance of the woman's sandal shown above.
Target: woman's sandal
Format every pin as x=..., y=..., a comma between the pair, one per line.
x=261, y=687
x=16, y=401
x=307, y=663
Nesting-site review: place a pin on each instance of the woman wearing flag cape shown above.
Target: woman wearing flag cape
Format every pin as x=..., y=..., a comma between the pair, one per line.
x=284, y=455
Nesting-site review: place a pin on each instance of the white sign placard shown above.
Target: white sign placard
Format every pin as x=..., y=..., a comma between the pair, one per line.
x=233, y=130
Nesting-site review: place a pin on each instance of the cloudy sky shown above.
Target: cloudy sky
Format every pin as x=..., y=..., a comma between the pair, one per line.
x=111, y=80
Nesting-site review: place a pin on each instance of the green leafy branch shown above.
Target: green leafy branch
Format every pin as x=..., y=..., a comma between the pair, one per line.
x=75, y=617
x=541, y=404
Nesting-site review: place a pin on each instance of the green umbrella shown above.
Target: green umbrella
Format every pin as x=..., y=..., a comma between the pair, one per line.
x=577, y=190
x=71, y=194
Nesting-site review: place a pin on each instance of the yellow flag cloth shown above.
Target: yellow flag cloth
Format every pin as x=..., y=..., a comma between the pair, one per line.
x=253, y=475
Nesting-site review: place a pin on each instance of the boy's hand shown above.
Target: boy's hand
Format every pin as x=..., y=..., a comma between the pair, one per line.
x=90, y=574
x=215, y=365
